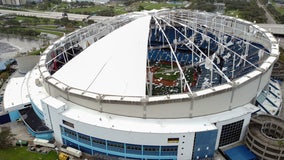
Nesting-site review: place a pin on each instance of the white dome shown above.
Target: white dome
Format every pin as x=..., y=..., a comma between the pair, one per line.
x=114, y=65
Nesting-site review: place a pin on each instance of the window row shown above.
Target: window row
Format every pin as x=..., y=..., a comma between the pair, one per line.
x=107, y=155
x=119, y=147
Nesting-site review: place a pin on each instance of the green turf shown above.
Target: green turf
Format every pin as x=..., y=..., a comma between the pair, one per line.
x=60, y=34
x=150, y=6
x=278, y=8
x=21, y=153
x=281, y=57
x=172, y=76
x=88, y=10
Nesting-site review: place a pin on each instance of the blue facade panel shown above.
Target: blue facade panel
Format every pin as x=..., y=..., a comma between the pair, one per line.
x=72, y=144
x=14, y=115
x=86, y=150
x=204, y=144
x=47, y=135
x=92, y=145
x=42, y=135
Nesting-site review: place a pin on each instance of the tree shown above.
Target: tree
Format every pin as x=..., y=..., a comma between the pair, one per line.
x=5, y=137
x=205, y=5
x=280, y=144
x=12, y=22
x=140, y=8
x=106, y=12
x=4, y=75
x=90, y=21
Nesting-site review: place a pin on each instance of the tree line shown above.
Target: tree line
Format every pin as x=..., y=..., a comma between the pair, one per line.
x=247, y=10
x=277, y=15
x=27, y=26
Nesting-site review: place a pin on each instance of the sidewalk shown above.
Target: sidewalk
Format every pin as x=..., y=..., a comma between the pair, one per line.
x=18, y=129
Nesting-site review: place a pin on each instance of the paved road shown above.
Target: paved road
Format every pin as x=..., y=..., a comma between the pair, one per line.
x=281, y=43
x=270, y=18
x=54, y=15
x=276, y=29
x=19, y=130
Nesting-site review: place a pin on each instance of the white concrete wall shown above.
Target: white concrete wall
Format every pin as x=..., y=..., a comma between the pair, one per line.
x=265, y=79
x=186, y=140
x=245, y=93
x=171, y=110
x=203, y=104
x=212, y=104
x=185, y=143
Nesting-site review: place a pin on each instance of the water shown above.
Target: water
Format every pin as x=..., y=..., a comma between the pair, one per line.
x=12, y=46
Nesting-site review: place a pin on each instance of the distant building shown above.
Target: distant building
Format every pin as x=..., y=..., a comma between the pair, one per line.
x=34, y=1
x=279, y=1
x=94, y=1
x=14, y=2
x=220, y=7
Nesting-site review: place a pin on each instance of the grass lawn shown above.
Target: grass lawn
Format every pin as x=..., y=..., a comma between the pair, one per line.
x=18, y=153
x=121, y=9
x=150, y=6
x=89, y=10
x=278, y=8
x=49, y=26
x=172, y=76
x=233, y=13
x=59, y=33
x=281, y=57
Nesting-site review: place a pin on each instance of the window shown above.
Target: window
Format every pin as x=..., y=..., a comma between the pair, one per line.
x=99, y=143
x=151, y=150
x=115, y=146
x=133, y=149
x=173, y=140
x=231, y=133
x=84, y=138
x=62, y=130
x=70, y=133
x=68, y=124
x=169, y=150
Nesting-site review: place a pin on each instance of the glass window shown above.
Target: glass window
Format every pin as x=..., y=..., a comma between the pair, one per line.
x=169, y=150
x=151, y=150
x=70, y=133
x=99, y=143
x=173, y=140
x=84, y=138
x=231, y=133
x=115, y=146
x=68, y=123
x=133, y=149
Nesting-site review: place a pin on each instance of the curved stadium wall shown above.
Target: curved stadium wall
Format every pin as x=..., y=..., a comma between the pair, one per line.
x=222, y=97
x=166, y=125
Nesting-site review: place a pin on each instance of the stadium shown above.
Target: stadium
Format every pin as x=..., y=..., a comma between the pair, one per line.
x=160, y=84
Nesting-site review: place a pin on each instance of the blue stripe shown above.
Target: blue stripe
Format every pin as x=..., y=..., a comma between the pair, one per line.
x=120, y=154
